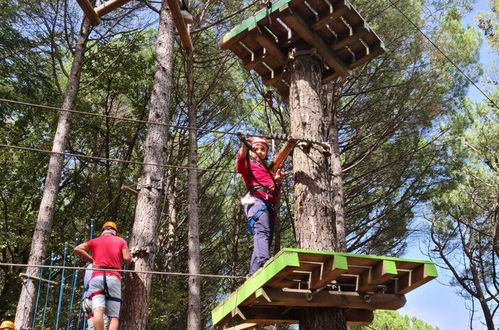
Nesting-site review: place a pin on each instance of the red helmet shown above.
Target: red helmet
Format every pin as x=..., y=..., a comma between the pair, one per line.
x=260, y=140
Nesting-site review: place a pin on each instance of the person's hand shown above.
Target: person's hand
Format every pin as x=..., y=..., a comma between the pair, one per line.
x=279, y=175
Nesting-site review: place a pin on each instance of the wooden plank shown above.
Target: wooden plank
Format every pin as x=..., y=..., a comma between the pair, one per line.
x=294, y=21
x=244, y=326
x=32, y=277
x=337, y=13
x=364, y=59
x=358, y=32
x=182, y=29
x=331, y=270
x=339, y=299
x=358, y=317
x=419, y=276
x=268, y=80
x=272, y=268
x=383, y=272
x=266, y=41
x=267, y=315
x=89, y=11
x=328, y=76
x=109, y=6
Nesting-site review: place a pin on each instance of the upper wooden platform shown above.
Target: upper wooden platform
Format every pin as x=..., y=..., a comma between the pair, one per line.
x=296, y=278
x=95, y=14
x=333, y=28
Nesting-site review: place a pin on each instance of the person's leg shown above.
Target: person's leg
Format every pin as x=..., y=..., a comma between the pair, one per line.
x=261, y=236
x=113, y=305
x=96, y=287
x=99, y=318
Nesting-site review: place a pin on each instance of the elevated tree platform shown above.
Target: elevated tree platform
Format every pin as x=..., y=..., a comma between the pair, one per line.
x=296, y=278
x=331, y=28
x=95, y=14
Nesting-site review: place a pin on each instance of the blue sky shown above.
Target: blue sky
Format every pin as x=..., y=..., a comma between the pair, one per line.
x=436, y=302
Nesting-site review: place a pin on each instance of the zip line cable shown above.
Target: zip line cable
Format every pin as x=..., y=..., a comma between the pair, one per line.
x=280, y=137
x=8, y=146
x=153, y=272
x=443, y=53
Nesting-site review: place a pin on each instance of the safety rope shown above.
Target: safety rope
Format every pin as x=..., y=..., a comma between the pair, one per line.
x=153, y=272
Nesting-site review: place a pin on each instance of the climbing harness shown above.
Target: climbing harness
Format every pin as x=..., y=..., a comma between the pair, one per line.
x=105, y=292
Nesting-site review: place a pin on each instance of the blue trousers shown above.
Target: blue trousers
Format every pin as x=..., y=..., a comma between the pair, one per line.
x=263, y=231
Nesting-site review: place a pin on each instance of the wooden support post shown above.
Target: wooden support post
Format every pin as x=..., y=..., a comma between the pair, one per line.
x=419, y=276
x=89, y=11
x=294, y=21
x=331, y=270
x=358, y=317
x=379, y=274
x=109, y=6
x=183, y=31
x=345, y=299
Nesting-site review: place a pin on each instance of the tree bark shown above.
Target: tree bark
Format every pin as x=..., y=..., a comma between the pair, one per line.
x=43, y=228
x=312, y=210
x=194, y=309
x=148, y=210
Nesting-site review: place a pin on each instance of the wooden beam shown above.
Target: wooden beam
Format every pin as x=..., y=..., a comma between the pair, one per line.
x=328, y=76
x=267, y=315
x=344, y=299
x=130, y=190
x=358, y=317
x=419, y=276
x=358, y=32
x=89, y=11
x=330, y=271
x=267, y=42
x=244, y=326
x=109, y=6
x=294, y=21
x=182, y=29
x=381, y=273
x=337, y=13
x=376, y=51
x=268, y=80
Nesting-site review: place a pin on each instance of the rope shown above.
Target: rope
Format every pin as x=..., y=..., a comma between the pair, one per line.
x=153, y=272
x=281, y=137
x=8, y=146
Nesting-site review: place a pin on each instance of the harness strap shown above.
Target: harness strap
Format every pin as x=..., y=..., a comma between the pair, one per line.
x=254, y=218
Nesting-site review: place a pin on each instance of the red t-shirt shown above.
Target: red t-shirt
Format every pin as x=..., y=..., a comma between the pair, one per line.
x=107, y=253
x=253, y=174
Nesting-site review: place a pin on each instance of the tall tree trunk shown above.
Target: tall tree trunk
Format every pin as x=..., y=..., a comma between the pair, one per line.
x=148, y=210
x=194, y=309
x=333, y=93
x=312, y=209
x=43, y=228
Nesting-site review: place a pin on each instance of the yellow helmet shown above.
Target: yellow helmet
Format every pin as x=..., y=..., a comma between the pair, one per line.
x=7, y=325
x=110, y=224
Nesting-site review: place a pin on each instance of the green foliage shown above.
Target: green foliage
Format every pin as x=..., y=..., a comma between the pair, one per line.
x=392, y=320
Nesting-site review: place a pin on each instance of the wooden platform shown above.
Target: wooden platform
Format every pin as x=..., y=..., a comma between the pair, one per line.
x=95, y=14
x=332, y=28
x=297, y=278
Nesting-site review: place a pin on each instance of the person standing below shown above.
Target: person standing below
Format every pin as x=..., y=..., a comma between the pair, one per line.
x=263, y=183
x=107, y=252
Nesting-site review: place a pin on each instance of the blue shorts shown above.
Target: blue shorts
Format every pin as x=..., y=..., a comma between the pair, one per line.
x=96, y=288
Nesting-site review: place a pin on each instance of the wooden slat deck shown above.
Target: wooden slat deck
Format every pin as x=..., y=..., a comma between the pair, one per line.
x=332, y=27
x=296, y=278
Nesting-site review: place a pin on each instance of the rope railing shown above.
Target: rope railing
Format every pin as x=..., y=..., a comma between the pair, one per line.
x=153, y=272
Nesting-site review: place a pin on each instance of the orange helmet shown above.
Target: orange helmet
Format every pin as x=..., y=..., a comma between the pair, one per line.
x=7, y=325
x=260, y=140
x=110, y=224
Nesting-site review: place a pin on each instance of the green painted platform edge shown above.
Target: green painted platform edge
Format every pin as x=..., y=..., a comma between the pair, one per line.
x=253, y=20
x=353, y=255
x=289, y=257
x=263, y=275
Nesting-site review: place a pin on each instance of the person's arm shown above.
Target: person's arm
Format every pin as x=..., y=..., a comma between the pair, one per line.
x=126, y=255
x=82, y=250
x=283, y=153
x=241, y=162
